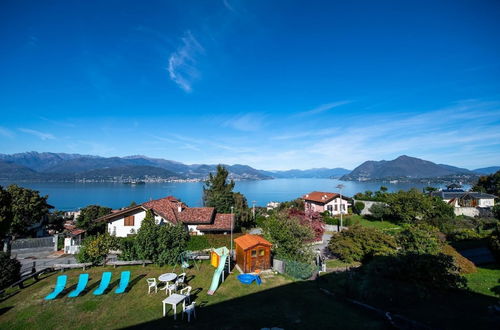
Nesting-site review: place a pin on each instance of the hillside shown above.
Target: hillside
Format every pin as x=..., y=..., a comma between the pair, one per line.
x=404, y=167
x=487, y=170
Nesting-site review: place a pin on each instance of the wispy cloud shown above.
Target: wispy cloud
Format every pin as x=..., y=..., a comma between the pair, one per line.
x=247, y=122
x=182, y=63
x=6, y=132
x=321, y=108
x=57, y=122
x=41, y=135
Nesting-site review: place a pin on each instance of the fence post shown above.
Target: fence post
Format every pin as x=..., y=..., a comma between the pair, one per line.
x=56, y=237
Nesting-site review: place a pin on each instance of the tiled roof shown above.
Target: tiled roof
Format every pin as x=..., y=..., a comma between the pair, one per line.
x=165, y=207
x=196, y=215
x=320, y=197
x=249, y=241
x=222, y=222
x=461, y=194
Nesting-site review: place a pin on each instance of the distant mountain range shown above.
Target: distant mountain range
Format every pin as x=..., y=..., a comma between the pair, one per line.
x=405, y=167
x=48, y=166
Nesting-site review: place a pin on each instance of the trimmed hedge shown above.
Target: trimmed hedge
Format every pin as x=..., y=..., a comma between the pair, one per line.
x=207, y=241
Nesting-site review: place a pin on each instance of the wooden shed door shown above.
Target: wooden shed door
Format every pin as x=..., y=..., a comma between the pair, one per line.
x=258, y=256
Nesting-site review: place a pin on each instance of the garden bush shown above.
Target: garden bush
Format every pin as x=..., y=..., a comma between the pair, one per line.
x=494, y=243
x=358, y=207
x=9, y=270
x=420, y=239
x=360, y=243
x=94, y=249
x=197, y=243
x=128, y=248
x=299, y=270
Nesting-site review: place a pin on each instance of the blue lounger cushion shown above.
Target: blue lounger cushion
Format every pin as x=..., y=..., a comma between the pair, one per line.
x=82, y=283
x=105, y=280
x=60, y=284
x=124, y=279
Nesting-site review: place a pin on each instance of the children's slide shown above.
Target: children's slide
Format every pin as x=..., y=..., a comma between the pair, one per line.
x=223, y=255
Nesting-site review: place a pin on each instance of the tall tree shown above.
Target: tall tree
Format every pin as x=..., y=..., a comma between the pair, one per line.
x=218, y=191
x=87, y=217
x=28, y=208
x=5, y=212
x=489, y=184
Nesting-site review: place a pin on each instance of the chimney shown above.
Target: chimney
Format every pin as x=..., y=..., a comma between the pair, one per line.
x=179, y=208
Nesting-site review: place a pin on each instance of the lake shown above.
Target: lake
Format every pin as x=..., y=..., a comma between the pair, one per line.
x=72, y=196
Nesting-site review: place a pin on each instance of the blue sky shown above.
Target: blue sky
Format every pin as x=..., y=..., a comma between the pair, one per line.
x=271, y=84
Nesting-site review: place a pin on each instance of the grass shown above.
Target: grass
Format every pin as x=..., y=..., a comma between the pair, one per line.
x=383, y=225
x=485, y=281
x=337, y=263
x=279, y=301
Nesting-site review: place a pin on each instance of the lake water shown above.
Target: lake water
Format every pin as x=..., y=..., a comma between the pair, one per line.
x=71, y=196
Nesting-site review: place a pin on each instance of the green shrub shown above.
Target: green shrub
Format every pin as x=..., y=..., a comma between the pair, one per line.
x=494, y=244
x=358, y=207
x=420, y=239
x=299, y=270
x=127, y=246
x=197, y=243
x=463, y=235
x=360, y=243
x=94, y=249
x=9, y=270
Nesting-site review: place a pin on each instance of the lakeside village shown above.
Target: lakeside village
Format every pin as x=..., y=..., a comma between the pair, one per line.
x=322, y=260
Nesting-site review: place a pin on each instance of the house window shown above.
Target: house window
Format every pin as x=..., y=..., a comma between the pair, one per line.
x=261, y=252
x=129, y=221
x=335, y=207
x=329, y=207
x=254, y=253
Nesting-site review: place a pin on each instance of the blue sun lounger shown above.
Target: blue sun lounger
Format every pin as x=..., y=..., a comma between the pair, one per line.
x=82, y=283
x=105, y=279
x=60, y=284
x=125, y=277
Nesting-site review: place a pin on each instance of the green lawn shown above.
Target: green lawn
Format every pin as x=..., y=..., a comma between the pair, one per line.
x=384, y=225
x=279, y=302
x=486, y=281
x=336, y=263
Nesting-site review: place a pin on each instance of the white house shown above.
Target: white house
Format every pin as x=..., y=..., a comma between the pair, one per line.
x=325, y=201
x=460, y=198
x=168, y=210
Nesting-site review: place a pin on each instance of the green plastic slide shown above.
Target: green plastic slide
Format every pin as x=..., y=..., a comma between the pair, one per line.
x=224, y=254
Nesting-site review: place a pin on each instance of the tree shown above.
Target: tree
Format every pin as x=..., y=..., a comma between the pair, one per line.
x=379, y=211
x=360, y=243
x=87, y=217
x=359, y=207
x=412, y=206
x=9, y=270
x=420, y=239
x=218, y=191
x=95, y=248
x=496, y=211
x=430, y=189
x=288, y=236
x=489, y=184
x=313, y=220
x=55, y=221
x=5, y=212
x=28, y=208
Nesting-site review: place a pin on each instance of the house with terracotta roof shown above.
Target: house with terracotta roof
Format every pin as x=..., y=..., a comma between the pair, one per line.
x=319, y=201
x=168, y=211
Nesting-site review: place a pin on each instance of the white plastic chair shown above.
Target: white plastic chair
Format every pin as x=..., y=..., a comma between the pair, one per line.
x=189, y=310
x=171, y=288
x=152, y=284
x=186, y=292
x=180, y=279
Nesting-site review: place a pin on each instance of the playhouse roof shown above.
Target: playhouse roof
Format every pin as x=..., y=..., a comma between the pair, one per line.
x=249, y=241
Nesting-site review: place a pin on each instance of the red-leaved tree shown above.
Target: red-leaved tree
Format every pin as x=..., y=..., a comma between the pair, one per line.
x=310, y=219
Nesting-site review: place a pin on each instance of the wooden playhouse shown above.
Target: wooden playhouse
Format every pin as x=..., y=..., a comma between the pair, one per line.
x=252, y=253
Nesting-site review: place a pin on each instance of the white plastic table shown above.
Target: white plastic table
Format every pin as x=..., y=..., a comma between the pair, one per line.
x=167, y=277
x=173, y=300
